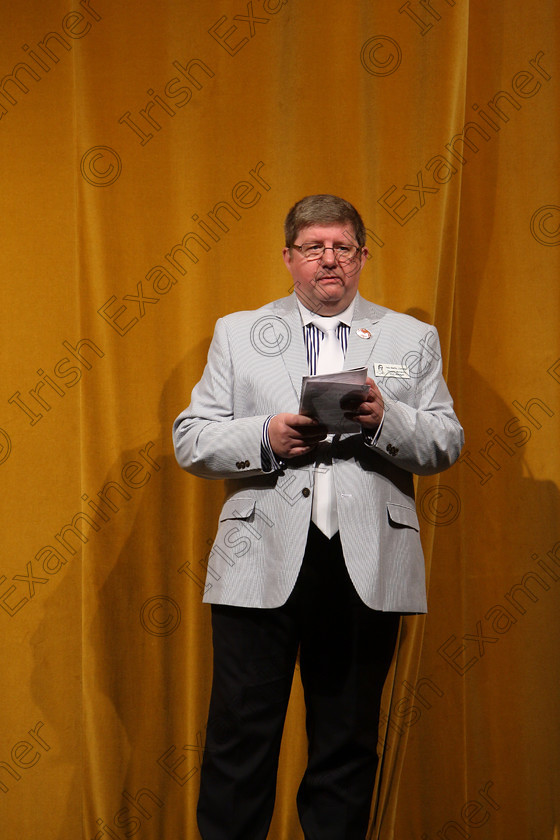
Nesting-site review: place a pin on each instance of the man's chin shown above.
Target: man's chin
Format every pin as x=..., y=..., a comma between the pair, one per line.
x=330, y=304
x=329, y=290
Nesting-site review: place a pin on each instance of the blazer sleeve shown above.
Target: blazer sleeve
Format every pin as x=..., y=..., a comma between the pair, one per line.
x=420, y=432
x=209, y=440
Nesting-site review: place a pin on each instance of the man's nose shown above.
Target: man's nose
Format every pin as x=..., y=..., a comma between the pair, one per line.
x=329, y=257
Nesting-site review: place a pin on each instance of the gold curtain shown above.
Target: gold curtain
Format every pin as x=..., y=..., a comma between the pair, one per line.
x=149, y=154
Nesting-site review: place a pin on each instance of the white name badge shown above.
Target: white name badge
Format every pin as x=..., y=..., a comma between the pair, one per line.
x=398, y=371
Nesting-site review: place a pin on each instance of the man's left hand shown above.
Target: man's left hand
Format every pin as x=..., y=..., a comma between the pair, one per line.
x=369, y=412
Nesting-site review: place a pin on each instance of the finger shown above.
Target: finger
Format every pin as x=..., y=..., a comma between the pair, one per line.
x=301, y=450
x=317, y=432
x=295, y=421
x=352, y=400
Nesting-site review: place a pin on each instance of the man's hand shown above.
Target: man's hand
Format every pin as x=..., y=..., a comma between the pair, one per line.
x=369, y=412
x=291, y=435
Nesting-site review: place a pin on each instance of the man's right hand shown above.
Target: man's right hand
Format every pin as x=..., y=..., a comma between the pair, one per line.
x=291, y=435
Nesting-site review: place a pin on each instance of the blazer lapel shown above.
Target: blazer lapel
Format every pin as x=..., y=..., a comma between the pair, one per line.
x=294, y=355
x=360, y=345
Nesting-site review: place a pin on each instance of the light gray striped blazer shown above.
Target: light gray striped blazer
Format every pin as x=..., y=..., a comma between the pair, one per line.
x=255, y=366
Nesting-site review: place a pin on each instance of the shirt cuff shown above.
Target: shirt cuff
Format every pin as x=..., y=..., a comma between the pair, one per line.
x=371, y=439
x=269, y=461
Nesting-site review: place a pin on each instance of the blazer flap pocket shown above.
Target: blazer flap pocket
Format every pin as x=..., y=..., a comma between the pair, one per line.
x=237, y=508
x=403, y=515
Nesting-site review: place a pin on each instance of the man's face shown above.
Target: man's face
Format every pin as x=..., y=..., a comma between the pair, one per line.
x=326, y=285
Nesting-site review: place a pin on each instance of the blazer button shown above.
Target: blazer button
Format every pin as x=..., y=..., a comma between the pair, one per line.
x=306, y=492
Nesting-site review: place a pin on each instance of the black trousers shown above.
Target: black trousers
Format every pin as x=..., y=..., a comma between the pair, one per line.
x=345, y=652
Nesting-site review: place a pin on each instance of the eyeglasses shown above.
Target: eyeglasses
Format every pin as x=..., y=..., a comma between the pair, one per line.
x=315, y=250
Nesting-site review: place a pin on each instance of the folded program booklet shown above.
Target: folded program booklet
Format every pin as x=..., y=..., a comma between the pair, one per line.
x=328, y=397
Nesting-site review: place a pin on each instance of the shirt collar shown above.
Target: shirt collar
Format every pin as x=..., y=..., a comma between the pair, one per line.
x=345, y=316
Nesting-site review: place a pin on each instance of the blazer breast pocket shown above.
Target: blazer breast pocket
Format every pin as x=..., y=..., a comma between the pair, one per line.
x=393, y=386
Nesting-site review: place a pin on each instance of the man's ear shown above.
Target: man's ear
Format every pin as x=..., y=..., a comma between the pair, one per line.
x=287, y=254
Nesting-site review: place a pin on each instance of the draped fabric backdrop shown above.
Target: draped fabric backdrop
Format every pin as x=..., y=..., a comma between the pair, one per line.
x=150, y=152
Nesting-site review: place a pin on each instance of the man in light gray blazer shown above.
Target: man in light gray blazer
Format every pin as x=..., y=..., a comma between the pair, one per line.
x=318, y=546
